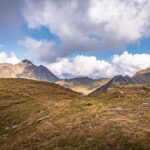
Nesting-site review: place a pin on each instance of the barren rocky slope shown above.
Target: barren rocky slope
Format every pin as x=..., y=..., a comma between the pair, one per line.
x=26, y=69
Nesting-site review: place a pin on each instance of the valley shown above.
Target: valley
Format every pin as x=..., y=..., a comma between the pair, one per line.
x=83, y=85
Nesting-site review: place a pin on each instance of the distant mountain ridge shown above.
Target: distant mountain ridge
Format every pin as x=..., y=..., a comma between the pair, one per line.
x=141, y=77
x=114, y=82
x=26, y=69
x=84, y=85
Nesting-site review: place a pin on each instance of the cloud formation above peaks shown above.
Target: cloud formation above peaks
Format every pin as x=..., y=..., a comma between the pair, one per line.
x=124, y=64
x=87, y=25
x=12, y=58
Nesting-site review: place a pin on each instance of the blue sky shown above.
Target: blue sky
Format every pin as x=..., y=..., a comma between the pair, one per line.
x=16, y=26
x=47, y=32
x=11, y=43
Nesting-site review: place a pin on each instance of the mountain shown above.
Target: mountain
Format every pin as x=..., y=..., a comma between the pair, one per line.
x=83, y=85
x=36, y=115
x=143, y=76
x=114, y=82
x=26, y=69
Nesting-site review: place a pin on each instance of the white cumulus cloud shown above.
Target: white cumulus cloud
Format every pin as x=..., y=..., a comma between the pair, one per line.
x=81, y=66
x=124, y=64
x=12, y=58
x=87, y=25
x=128, y=64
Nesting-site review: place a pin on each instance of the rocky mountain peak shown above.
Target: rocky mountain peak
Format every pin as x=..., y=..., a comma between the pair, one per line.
x=26, y=69
x=114, y=82
x=27, y=62
x=143, y=76
x=142, y=72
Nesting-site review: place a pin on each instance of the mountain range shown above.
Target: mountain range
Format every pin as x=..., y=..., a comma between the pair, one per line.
x=26, y=69
x=83, y=85
x=141, y=77
x=43, y=115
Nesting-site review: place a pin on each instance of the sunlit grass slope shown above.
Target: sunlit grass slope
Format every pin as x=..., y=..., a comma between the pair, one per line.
x=40, y=115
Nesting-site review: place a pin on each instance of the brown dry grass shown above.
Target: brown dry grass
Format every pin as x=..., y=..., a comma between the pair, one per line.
x=40, y=115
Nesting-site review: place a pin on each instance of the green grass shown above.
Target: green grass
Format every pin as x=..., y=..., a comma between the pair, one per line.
x=40, y=115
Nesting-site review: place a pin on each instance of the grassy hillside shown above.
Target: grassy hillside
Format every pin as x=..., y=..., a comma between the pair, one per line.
x=40, y=115
x=27, y=108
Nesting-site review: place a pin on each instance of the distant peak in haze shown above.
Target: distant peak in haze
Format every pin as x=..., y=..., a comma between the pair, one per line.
x=26, y=61
x=80, y=78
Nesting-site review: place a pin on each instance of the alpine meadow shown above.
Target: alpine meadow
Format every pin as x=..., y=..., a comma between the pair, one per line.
x=74, y=75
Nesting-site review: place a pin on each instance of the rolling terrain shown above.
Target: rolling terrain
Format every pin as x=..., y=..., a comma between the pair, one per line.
x=83, y=85
x=41, y=115
x=27, y=70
